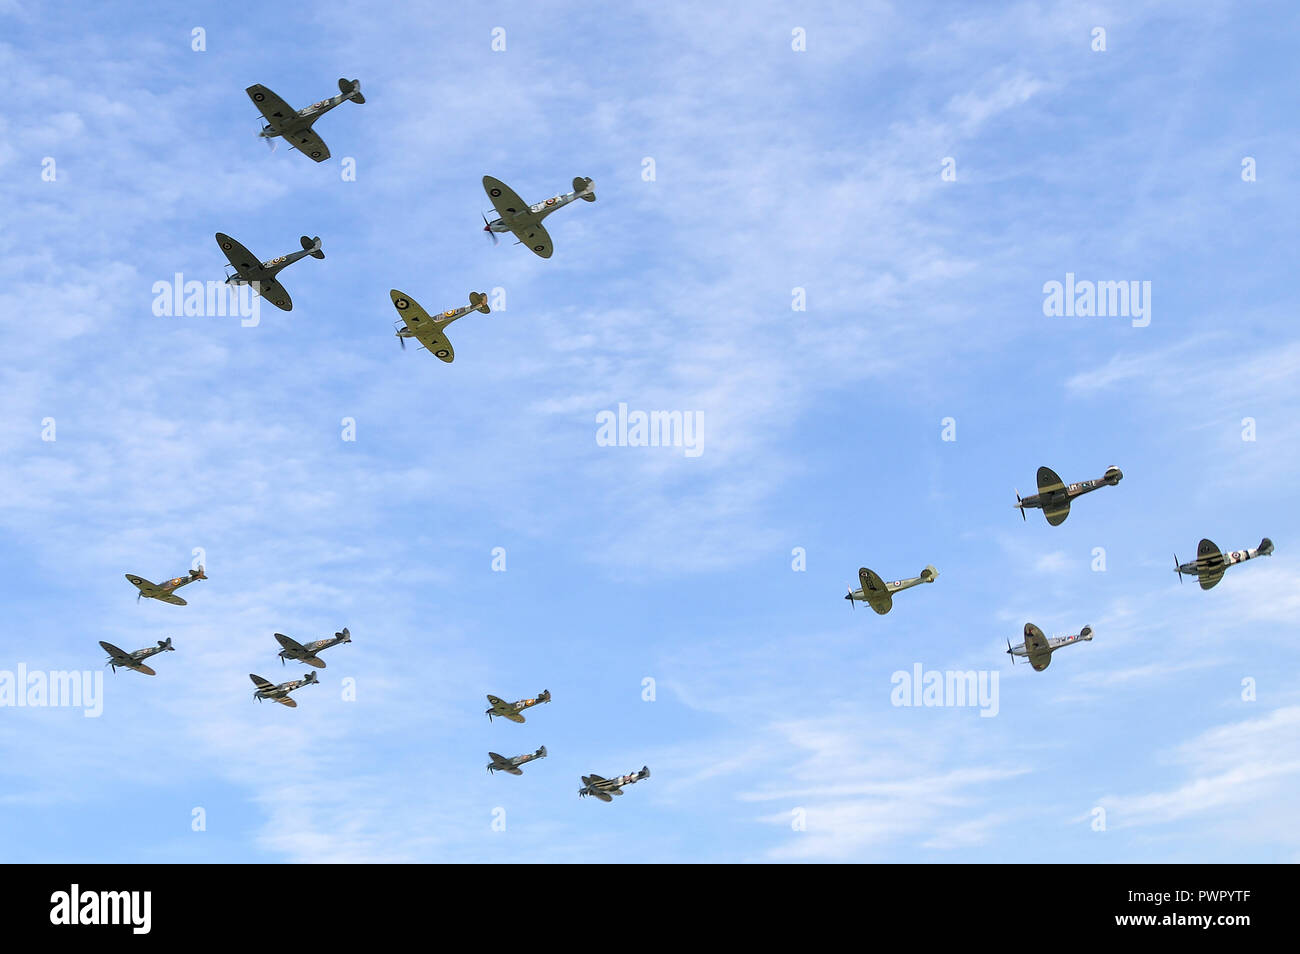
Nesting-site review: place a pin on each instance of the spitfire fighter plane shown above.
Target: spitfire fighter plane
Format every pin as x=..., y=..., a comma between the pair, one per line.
x=1054, y=495
x=164, y=592
x=267, y=690
x=261, y=275
x=604, y=788
x=430, y=331
x=1039, y=648
x=526, y=220
x=1210, y=565
x=307, y=652
x=120, y=658
x=295, y=125
x=878, y=594
x=500, y=763
x=512, y=710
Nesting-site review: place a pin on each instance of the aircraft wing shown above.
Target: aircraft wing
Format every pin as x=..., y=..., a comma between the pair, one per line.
x=272, y=107
x=260, y=682
x=514, y=770
x=243, y=261
x=588, y=779
x=1210, y=565
x=314, y=661
x=309, y=144
x=139, y=582
x=537, y=239
x=512, y=716
x=504, y=199
x=1048, y=482
x=426, y=332
x=274, y=292
x=1056, y=513
x=874, y=589
x=170, y=598
x=1040, y=653
x=286, y=701
x=141, y=667
x=115, y=652
x=288, y=642
x=603, y=796
x=496, y=703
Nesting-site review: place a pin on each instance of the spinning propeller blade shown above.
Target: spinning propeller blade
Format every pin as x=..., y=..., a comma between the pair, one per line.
x=1010, y=653
x=488, y=229
x=849, y=597
x=1020, y=506
x=1178, y=568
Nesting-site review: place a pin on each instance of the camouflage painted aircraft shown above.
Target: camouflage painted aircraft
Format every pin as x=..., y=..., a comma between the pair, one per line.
x=164, y=592
x=1210, y=565
x=1054, y=495
x=307, y=652
x=526, y=220
x=295, y=125
x=500, y=763
x=261, y=275
x=1039, y=648
x=429, y=331
x=511, y=710
x=120, y=658
x=878, y=594
x=603, y=788
x=267, y=690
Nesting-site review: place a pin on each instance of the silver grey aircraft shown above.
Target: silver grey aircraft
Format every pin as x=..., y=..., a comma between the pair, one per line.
x=878, y=594
x=1210, y=565
x=261, y=275
x=1039, y=648
x=1054, y=495
x=121, y=659
x=513, y=215
x=430, y=331
x=164, y=592
x=500, y=763
x=280, y=693
x=294, y=126
x=307, y=652
x=604, y=788
x=512, y=710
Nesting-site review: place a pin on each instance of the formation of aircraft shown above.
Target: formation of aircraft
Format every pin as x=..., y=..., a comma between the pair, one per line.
x=280, y=693
x=605, y=788
x=512, y=710
x=1039, y=648
x=261, y=275
x=500, y=763
x=121, y=659
x=525, y=221
x=1210, y=564
x=164, y=592
x=431, y=332
x=295, y=126
x=878, y=594
x=1054, y=495
x=308, y=652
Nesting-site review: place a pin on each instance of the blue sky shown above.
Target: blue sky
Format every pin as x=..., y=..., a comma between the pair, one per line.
x=775, y=169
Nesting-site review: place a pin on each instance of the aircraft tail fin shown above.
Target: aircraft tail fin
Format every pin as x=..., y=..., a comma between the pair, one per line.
x=582, y=186
x=545, y=696
x=198, y=574
x=928, y=574
x=1085, y=633
x=312, y=246
x=478, y=301
x=166, y=643
x=351, y=88
x=1265, y=547
x=644, y=773
x=541, y=753
x=344, y=635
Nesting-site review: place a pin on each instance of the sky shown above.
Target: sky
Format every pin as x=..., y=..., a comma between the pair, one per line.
x=823, y=231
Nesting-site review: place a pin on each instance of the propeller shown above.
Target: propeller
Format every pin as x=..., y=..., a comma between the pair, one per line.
x=488, y=229
x=1020, y=506
x=1010, y=653
x=270, y=143
x=849, y=597
x=1178, y=568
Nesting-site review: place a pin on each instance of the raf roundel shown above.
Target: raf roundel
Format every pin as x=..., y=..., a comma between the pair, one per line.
x=259, y=97
x=226, y=246
x=494, y=192
x=402, y=304
x=441, y=352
